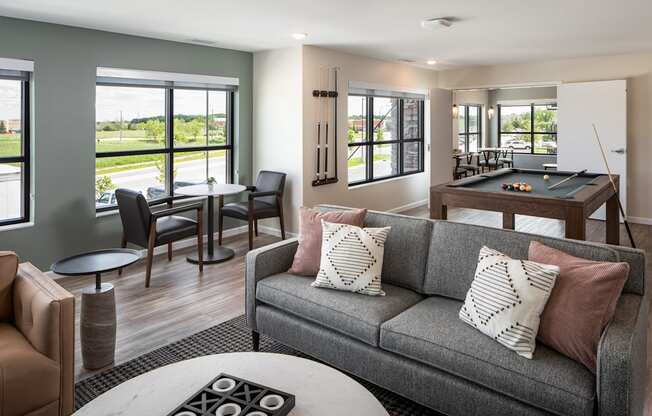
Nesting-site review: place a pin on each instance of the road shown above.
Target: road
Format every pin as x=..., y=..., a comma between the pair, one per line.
x=189, y=171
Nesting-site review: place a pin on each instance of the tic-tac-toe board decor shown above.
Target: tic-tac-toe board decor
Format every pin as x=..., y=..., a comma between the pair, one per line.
x=228, y=395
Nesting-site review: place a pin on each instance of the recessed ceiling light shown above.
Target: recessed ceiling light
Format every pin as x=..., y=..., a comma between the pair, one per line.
x=431, y=62
x=299, y=36
x=436, y=23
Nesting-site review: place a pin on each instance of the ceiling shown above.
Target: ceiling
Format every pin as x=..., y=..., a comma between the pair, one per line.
x=485, y=32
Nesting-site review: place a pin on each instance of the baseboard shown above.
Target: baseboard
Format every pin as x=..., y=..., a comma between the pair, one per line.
x=408, y=207
x=640, y=220
x=276, y=232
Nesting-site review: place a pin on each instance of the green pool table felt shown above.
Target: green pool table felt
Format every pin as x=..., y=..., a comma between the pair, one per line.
x=492, y=182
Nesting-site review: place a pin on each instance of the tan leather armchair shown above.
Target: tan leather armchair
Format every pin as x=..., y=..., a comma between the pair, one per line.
x=37, y=331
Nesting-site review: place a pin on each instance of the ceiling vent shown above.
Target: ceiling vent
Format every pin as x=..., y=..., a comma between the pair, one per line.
x=202, y=41
x=436, y=23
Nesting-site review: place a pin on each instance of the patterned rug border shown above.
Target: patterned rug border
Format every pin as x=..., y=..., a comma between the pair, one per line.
x=229, y=336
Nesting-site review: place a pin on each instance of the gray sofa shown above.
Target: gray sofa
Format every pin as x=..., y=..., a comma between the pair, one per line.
x=413, y=343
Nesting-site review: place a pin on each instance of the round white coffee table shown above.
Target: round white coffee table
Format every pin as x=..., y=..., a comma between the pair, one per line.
x=220, y=253
x=319, y=390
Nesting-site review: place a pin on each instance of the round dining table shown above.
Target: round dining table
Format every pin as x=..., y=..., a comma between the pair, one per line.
x=212, y=254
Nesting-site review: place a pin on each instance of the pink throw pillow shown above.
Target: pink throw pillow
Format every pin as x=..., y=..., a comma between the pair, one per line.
x=581, y=304
x=308, y=255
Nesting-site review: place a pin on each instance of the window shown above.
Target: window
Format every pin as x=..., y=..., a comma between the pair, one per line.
x=385, y=137
x=528, y=128
x=156, y=139
x=469, y=127
x=14, y=148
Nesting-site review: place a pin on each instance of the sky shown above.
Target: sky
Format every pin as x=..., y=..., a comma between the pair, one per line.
x=134, y=102
x=9, y=99
x=150, y=102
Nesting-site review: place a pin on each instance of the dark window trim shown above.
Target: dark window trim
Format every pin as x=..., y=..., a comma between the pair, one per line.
x=169, y=150
x=25, y=157
x=466, y=131
x=369, y=141
x=531, y=132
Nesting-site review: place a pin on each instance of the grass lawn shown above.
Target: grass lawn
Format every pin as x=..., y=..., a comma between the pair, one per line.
x=105, y=166
x=357, y=161
x=10, y=145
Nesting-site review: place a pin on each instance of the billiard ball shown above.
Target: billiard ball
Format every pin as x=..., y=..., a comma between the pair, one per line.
x=504, y=186
x=546, y=177
x=521, y=187
x=528, y=188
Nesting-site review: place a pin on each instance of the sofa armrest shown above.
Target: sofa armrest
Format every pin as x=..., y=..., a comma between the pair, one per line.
x=263, y=262
x=622, y=359
x=44, y=313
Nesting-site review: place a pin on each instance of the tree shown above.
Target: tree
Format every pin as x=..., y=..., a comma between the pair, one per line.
x=154, y=129
x=380, y=133
x=160, y=165
x=3, y=127
x=195, y=127
x=103, y=184
x=352, y=134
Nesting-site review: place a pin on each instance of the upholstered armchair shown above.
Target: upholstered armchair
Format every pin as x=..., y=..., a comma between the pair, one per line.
x=37, y=333
x=264, y=200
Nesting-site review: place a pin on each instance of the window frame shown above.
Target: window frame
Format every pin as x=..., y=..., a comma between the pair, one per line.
x=369, y=142
x=169, y=149
x=532, y=133
x=25, y=157
x=466, y=131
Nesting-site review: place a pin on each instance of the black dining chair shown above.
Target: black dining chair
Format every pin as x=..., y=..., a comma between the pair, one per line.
x=147, y=229
x=469, y=166
x=265, y=200
x=491, y=160
x=507, y=157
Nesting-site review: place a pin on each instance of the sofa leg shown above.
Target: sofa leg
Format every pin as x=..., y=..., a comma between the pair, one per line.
x=255, y=340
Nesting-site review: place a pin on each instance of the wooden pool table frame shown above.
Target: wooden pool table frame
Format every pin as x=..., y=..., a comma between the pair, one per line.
x=574, y=210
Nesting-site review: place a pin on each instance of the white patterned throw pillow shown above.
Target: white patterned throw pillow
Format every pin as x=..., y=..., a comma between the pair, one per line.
x=506, y=299
x=351, y=258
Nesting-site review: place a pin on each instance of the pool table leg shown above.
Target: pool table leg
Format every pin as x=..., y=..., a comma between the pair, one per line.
x=575, y=224
x=438, y=211
x=613, y=221
x=508, y=221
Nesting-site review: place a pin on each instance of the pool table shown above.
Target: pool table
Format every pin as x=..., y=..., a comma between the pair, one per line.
x=573, y=202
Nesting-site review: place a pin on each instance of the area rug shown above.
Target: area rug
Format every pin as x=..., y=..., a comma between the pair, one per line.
x=230, y=336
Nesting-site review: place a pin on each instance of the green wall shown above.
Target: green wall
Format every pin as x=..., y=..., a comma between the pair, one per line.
x=63, y=145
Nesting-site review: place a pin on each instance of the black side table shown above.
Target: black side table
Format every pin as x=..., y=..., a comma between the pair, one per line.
x=98, y=322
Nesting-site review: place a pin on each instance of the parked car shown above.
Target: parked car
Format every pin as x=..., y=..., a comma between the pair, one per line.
x=551, y=147
x=106, y=199
x=516, y=144
x=155, y=192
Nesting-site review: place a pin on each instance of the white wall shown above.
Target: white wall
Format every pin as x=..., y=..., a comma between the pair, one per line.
x=277, y=123
x=636, y=68
x=386, y=195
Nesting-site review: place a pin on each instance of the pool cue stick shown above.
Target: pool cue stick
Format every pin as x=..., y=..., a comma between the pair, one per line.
x=573, y=176
x=328, y=118
x=613, y=184
x=317, y=174
x=335, y=69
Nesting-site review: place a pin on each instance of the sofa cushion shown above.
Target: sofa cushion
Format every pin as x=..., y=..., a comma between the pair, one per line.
x=454, y=249
x=349, y=313
x=432, y=333
x=30, y=379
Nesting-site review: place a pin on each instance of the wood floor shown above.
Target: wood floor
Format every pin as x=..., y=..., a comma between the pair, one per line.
x=181, y=302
